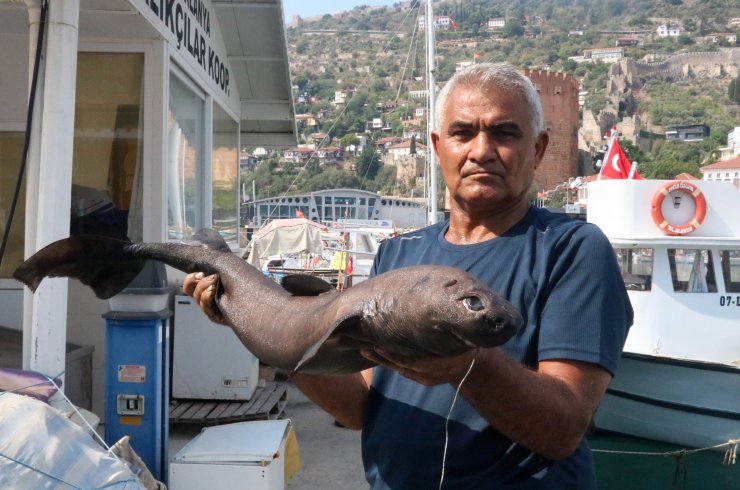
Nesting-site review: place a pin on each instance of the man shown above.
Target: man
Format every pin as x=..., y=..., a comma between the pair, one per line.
x=524, y=407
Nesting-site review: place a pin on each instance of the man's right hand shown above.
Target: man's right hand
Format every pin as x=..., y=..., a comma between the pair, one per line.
x=203, y=289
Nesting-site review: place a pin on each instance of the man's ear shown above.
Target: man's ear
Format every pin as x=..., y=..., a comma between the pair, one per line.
x=540, y=145
x=435, y=142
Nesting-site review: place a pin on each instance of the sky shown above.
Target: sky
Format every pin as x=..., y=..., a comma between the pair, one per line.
x=312, y=8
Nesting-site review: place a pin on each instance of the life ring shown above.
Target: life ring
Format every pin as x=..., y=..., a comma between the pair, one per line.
x=700, y=205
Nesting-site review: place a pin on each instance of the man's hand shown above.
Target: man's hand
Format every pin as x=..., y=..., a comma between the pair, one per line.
x=428, y=371
x=203, y=290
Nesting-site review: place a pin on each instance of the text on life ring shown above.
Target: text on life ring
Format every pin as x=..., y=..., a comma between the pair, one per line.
x=700, y=208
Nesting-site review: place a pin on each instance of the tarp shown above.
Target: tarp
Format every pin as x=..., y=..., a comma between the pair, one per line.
x=41, y=448
x=285, y=236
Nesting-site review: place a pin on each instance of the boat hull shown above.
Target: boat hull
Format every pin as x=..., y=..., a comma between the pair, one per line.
x=691, y=404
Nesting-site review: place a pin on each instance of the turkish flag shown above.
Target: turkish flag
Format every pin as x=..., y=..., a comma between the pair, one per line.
x=616, y=165
x=476, y=55
x=454, y=25
x=299, y=214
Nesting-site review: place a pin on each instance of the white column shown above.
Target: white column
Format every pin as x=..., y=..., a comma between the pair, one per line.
x=51, y=198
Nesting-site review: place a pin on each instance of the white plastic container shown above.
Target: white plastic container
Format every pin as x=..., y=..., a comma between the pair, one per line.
x=148, y=292
x=244, y=455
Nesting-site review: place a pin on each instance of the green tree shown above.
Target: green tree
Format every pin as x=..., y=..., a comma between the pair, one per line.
x=368, y=163
x=733, y=90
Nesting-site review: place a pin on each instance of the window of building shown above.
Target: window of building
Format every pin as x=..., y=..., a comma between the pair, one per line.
x=107, y=149
x=692, y=270
x=185, y=159
x=636, y=265
x=225, y=174
x=11, y=148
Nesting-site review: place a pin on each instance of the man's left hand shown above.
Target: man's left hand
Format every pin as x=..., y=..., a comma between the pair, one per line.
x=429, y=370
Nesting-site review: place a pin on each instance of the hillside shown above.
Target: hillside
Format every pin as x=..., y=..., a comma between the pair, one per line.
x=375, y=56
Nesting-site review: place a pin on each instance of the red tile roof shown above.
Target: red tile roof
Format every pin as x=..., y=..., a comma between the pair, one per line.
x=723, y=164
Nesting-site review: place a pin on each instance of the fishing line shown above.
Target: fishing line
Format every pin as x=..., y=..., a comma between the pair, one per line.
x=447, y=421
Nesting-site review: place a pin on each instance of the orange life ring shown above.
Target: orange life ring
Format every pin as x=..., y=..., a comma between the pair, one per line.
x=689, y=189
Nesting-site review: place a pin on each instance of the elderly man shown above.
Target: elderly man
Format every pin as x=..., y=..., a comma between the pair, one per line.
x=524, y=407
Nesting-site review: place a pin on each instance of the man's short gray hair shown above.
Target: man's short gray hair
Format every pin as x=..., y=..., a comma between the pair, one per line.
x=492, y=76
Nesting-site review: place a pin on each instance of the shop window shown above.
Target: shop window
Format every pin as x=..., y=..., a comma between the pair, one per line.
x=636, y=265
x=11, y=148
x=184, y=160
x=106, y=173
x=225, y=174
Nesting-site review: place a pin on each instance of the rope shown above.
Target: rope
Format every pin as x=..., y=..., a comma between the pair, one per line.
x=449, y=414
x=730, y=454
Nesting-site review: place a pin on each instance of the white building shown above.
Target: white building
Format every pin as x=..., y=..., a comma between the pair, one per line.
x=728, y=170
x=340, y=97
x=733, y=145
x=668, y=30
x=497, y=23
x=147, y=103
x=440, y=22
x=337, y=204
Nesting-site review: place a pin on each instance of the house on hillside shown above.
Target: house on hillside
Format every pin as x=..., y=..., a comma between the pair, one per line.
x=627, y=41
x=383, y=143
x=305, y=121
x=330, y=156
x=687, y=132
x=318, y=138
x=403, y=149
x=733, y=145
x=715, y=37
x=605, y=55
x=247, y=161
x=727, y=170
x=496, y=23
x=444, y=22
x=299, y=155
x=668, y=30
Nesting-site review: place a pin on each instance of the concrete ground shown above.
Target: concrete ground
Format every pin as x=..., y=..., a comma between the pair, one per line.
x=330, y=455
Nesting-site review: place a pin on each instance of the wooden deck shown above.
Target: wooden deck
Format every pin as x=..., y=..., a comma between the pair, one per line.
x=267, y=403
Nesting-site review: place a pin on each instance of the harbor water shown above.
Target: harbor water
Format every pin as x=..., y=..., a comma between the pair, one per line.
x=631, y=463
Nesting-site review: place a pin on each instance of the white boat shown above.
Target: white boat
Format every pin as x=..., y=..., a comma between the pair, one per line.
x=679, y=377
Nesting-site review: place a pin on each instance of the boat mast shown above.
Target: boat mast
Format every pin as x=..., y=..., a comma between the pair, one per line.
x=431, y=96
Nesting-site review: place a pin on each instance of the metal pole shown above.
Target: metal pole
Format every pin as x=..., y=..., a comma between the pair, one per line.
x=431, y=97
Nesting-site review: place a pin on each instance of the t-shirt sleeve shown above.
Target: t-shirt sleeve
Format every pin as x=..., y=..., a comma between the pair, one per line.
x=586, y=312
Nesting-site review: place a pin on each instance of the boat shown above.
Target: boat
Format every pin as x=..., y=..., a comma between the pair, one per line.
x=678, y=246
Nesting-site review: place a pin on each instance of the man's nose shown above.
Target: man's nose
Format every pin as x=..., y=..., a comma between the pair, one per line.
x=482, y=147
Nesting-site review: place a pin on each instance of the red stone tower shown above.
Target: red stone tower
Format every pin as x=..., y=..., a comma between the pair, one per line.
x=559, y=96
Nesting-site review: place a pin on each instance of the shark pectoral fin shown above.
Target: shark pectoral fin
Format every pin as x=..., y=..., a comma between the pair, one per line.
x=346, y=323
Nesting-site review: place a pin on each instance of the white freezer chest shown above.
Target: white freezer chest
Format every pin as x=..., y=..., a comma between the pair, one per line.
x=209, y=362
x=243, y=455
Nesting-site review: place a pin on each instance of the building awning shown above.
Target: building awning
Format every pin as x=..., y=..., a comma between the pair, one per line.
x=253, y=35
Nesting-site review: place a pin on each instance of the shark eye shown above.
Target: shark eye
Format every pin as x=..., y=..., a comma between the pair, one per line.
x=473, y=303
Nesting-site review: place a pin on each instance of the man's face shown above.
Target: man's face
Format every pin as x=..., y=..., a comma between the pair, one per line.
x=486, y=148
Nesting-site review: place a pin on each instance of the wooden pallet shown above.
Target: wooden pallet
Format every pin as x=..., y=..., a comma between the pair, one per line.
x=267, y=403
